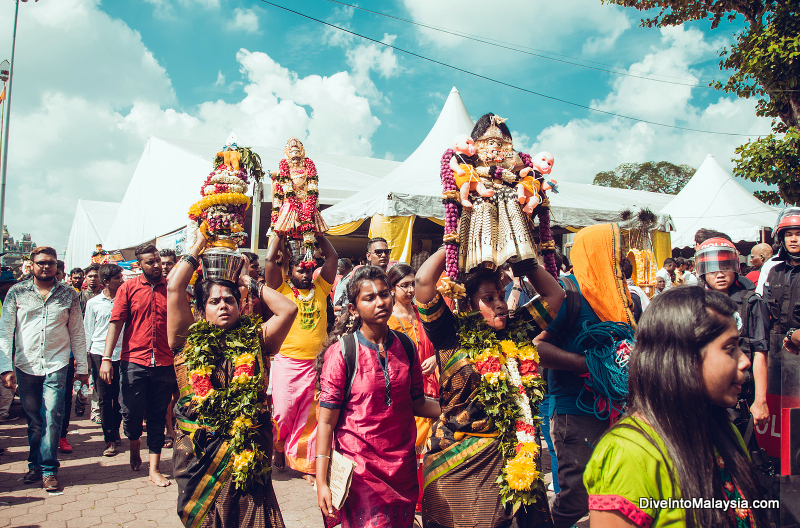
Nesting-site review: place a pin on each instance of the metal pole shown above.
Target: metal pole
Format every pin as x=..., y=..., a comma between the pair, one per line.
x=258, y=195
x=8, y=116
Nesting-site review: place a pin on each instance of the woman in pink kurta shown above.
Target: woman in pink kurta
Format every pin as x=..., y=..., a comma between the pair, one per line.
x=375, y=426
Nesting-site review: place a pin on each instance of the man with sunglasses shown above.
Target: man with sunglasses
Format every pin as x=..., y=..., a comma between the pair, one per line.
x=41, y=323
x=377, y=255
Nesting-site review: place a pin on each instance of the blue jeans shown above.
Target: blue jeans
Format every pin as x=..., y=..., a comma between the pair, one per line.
x=43, y=404
x=544, y=410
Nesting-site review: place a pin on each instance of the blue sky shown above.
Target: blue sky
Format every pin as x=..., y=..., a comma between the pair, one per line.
x=95, y=79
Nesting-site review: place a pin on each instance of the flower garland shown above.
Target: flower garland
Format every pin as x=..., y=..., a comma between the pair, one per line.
x=511, y=391
x=231, y=411
x=450, y=198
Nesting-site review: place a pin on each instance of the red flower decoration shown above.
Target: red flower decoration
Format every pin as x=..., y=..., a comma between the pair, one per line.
x=526, y=428
x=521, y=389
x=248, y=369
x=528, y=366
x=201, y=385
x=492, y=364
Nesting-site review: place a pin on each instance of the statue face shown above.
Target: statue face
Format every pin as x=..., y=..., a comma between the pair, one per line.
x=294, y=150
x=493, y=150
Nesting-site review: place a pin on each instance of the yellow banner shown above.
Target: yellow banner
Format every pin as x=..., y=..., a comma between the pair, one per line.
x=397, y=232
x=344, y=229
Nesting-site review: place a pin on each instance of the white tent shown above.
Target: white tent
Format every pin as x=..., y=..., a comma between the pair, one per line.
x=414, y=188
x=167, y=182
x=90, y=227
x=714, y=200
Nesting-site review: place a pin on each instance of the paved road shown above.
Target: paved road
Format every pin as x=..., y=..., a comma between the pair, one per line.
x=103, y=491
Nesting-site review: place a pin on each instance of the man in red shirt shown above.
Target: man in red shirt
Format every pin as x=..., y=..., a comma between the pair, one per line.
x=147, y=377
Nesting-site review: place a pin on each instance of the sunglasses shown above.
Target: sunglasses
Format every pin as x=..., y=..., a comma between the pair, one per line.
x=381, y=251
x=45, y=263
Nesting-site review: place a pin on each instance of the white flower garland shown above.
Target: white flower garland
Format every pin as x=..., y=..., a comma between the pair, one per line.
x=225, y=178
x=521, y=398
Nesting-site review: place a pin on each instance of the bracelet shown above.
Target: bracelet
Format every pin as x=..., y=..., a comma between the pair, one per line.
x=323, y=456
x=106, y=359
x=255, y=287
x=192, y=261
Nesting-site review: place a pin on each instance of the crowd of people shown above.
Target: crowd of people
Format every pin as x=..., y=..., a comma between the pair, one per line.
x=367, y=361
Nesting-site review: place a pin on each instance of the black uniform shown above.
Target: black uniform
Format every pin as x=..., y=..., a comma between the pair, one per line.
x=782, y=295
x=753, y=321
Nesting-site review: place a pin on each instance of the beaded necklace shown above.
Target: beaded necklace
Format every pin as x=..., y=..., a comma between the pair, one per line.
x=307, y=306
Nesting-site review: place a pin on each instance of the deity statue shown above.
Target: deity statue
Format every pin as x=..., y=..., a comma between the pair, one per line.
x=485, y=189
x=295, y=192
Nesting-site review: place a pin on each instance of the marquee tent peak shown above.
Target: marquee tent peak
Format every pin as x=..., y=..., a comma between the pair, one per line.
x=90, y=226
x=415, y=183
x=712, y=199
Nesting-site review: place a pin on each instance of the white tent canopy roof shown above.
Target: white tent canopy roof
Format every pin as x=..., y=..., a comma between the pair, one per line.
x=90, y=226
x=414, y=188
x=167, y=181
x=714, y=200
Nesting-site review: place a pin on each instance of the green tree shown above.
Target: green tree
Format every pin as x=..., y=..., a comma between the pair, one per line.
x=660, y=177
x=765, y=60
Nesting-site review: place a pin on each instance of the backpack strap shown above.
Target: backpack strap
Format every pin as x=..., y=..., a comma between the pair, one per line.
x=350, y=356
x=408, y=346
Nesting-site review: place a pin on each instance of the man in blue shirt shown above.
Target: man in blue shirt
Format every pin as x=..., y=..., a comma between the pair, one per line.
x=596, y=292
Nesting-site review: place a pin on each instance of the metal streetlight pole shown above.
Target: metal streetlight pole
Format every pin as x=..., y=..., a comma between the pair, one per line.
x=4, y=168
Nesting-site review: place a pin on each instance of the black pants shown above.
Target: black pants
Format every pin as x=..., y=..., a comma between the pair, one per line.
x=574, y=437
x=107, y=398
x=68, y=397
x=145, y=391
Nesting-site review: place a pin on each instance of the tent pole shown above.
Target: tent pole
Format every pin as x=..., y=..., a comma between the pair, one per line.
x=256, y=225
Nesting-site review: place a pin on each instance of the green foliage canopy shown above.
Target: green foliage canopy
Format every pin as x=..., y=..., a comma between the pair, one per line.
x=660, y=177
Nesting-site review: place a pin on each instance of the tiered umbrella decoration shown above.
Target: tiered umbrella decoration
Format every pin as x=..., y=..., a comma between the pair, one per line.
x=220, y=211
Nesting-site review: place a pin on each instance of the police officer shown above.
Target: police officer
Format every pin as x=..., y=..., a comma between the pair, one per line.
x=782, y=294
x=718, y=265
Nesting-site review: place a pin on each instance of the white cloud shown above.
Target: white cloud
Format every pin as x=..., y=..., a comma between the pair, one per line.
x=542, y=25
x=597, y=44
x=366, y=58
x=88, y=93
x=207, y=4
x=165, y=9
x=584, y=147
x=243, y=20
x=162, y=9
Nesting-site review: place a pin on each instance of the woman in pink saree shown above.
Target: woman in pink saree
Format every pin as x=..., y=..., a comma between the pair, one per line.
x=369, y=395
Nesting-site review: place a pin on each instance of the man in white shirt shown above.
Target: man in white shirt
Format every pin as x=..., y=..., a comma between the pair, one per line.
x=666, y=272
x=41, y=322
x=95, y=324
x=689, y=278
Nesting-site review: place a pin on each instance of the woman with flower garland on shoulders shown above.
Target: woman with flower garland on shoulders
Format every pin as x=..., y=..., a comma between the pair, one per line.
x=223, y=447
x=370, y=391
x=676, y=440
x=482, y=465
